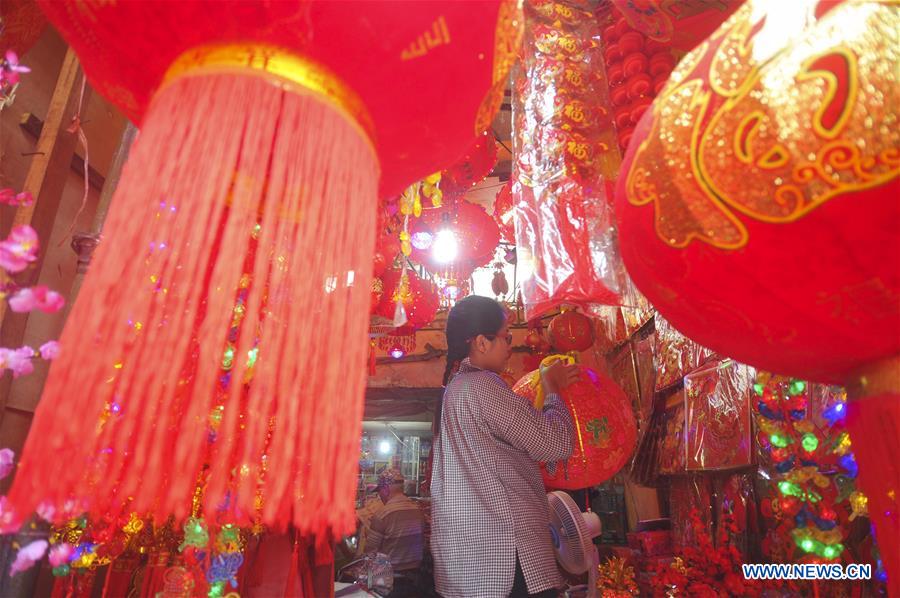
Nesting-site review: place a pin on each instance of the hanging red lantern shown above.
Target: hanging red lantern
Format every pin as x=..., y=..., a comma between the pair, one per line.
x=605, y=430
x=419, y=297
x=268, y=132
x=757, y=210
x=386, y=250
x=499, y=284
x=571, y=331
x=475, y=238
x=680, y=24
x=472, y=168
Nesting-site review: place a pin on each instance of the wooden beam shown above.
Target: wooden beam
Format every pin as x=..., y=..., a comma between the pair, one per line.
x=46, y=180
x=33, y=125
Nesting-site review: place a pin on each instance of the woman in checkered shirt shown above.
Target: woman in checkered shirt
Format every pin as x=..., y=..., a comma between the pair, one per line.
x=490, y=519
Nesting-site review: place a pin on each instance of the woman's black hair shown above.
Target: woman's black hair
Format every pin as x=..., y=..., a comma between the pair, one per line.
x=470, y=317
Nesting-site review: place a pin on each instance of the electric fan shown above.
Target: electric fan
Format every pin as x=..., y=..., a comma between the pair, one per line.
x=573, y=534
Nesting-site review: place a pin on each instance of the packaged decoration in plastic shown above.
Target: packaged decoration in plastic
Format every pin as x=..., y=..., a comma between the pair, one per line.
x=676, y=355
x=671, y=447
x=686, y=495
x=646, y=375
x=717, y=416
x=565, y=149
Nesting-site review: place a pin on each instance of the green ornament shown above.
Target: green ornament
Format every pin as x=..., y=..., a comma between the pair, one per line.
x=252, y=354
x=61, y=571
x=228, y=358
x=758, y=388
x=779, y=440
x=797, y=387
x=810, y=442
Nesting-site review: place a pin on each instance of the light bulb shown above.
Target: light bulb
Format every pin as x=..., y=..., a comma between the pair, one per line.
x=397, y=352
x=384, y=447
x=445, y=247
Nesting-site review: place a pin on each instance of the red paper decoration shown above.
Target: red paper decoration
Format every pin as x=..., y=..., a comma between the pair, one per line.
x=419, y=297
x=605, y=431
x=571, y=331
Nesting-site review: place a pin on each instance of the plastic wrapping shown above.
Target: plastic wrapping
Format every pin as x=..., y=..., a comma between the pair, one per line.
x=717, y=416
x=676, y=355
x=565, y=149
x=687, y=494
x=671, y=446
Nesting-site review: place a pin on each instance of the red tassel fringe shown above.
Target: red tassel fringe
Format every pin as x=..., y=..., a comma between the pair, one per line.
x=128, y=414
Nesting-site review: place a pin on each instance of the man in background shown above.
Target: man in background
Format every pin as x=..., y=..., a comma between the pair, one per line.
x=398, y=531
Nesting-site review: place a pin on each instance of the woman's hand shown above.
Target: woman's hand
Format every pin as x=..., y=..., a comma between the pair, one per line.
x=558, y=376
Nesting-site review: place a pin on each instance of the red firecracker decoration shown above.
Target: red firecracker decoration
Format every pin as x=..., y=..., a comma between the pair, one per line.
x=571, y=331
x=268, y=133
x=605, y=430
x=757, y=209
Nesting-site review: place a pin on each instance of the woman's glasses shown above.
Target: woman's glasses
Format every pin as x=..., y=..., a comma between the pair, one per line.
x=491, y=337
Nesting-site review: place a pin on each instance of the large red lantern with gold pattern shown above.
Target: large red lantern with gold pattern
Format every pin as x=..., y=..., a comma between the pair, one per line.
x=471, y=168
x=605, y=430
x=268, y=132
x=758, y=210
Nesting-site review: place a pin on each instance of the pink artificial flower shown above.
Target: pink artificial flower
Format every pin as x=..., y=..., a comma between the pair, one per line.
x=9, y=523
x=60, y=554
x=46, y=511
x=7, y=462
x=19, y=361
x=19, y=249
x=11, y=198
x=40, y=297
x=28, y=556
x=49, y=350
x=11, y=68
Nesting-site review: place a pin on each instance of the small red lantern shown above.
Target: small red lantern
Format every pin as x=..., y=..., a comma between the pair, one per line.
x=571, y=331
x=419, y=297
x=757, y=210
x=386, y=250
x=679, y=26
x=605, y=430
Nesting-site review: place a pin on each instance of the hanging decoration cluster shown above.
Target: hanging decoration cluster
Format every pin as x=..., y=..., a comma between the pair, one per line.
x=815, y=470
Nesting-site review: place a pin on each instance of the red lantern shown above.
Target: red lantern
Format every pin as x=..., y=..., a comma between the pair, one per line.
x=22, y=23
x=419, y=298
x=475, y=233
x=571, y=331
x=386, y=250
x=605, y=430
x=758, y=210
x=681, y=24
x=471, y=169
x=268, y=132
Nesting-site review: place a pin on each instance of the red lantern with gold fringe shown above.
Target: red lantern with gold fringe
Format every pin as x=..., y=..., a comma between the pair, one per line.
x=264, y=127
x=758, y=210
x=605, y=430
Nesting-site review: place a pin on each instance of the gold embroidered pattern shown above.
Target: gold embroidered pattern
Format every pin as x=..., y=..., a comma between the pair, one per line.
x=437, y=35
x=773, y=143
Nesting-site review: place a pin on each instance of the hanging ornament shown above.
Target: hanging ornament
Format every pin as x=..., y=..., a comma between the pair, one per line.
x=418, y=298
x=499, y=284
x=268, y=133
x=462, y=234
x=474, y=165
x=504, y=212
x=571, y=331
x=398, y=343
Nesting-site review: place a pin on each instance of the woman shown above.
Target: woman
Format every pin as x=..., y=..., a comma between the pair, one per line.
x=490, y=520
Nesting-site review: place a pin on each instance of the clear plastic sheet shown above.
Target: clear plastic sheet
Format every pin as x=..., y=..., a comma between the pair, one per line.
x=565, y=149
x=717, y=416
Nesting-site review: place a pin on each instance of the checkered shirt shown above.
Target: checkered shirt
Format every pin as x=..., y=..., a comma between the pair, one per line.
x=488, y=499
